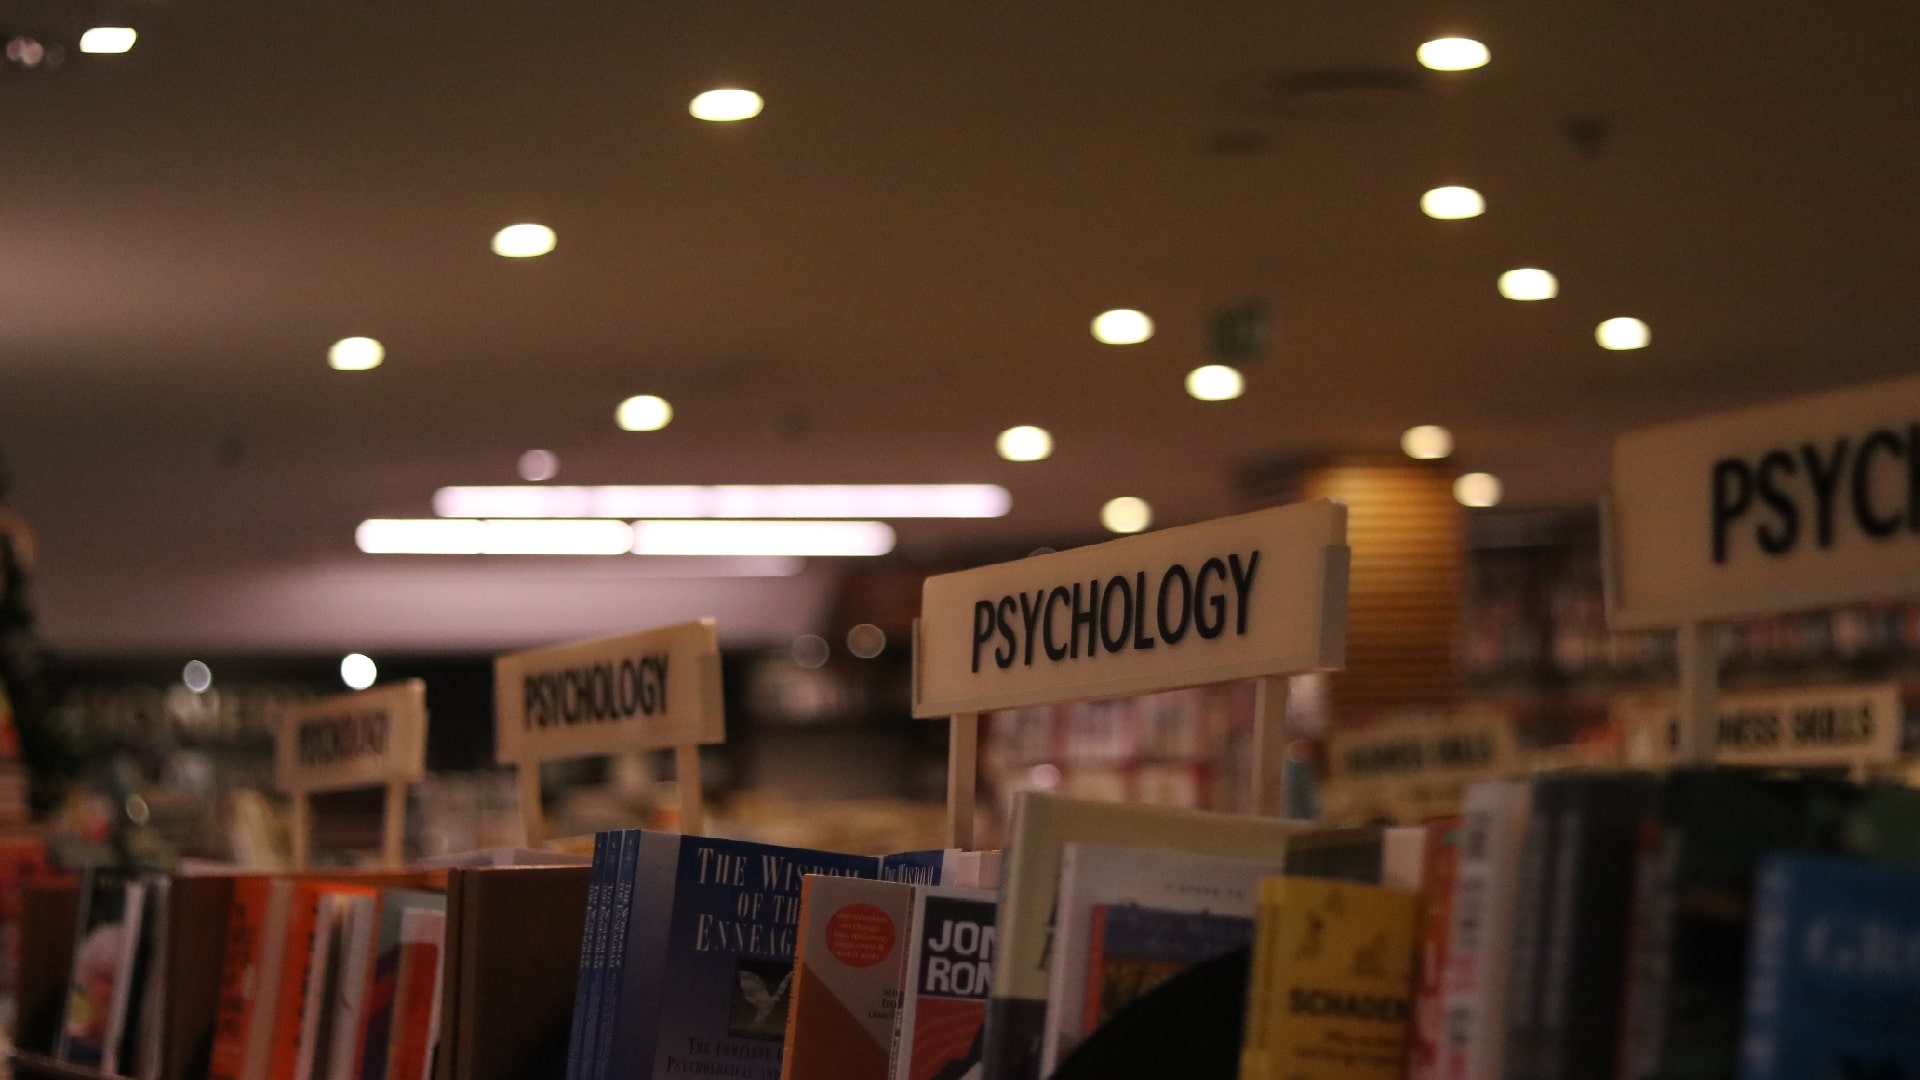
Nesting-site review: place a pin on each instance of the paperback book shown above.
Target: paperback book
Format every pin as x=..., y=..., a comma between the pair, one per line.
x=939, y=1030
x=846, y=982
x=102, y=939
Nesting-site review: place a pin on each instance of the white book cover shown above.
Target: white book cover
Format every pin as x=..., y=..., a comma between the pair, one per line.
x=358, y=927
x=1096, y=874
x=945, y=979
x=1493, y=829
x=265, y=977
x=423, y=926
x=123, y=981
x=1042, y=825
x=321, y=974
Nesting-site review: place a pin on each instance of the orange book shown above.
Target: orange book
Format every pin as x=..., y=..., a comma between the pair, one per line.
x=238, y=974
x=291, y=1000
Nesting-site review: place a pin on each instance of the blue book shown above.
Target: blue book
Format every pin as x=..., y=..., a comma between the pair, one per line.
x=624, y=849
x=580, y=1037
x=929, y=867
x=1833, y=976
x=708, y=959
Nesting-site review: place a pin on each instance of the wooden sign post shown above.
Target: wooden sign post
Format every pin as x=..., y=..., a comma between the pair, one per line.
x=1258, y=596
x=1808, y=503
x=373, y=738
x=642, y=691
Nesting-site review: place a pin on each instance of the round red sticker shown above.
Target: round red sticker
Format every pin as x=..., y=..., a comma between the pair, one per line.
x=860, y=935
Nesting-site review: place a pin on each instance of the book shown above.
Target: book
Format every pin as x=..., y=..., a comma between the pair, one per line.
x=1338, y=995
x=1136, y=949
x=324, y=973
x=359, y=944
x=1834, y=972
x=940, y=1028
x=1587, y=934
x=1533, y=907
x=846, y=978
x=21, y=860
x=383, y=985
x=147, y=1012
x=510, y=963
x=609, y=946
x=127, y=972
x=1441, y=863
x=98, y=944
x=1042, y=824
x=312, y=917
x=1493, y=829
x=705, y=977
x=249, y=979
x=1098, y=875
x=417, y=991
x=581, y=1036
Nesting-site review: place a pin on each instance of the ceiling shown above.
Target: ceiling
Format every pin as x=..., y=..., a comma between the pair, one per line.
x=894, y=262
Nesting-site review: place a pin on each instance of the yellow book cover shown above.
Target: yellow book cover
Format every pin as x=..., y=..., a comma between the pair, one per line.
x=1339, y=994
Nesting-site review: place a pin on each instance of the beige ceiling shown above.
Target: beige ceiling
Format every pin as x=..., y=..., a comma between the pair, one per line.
x=898, y=259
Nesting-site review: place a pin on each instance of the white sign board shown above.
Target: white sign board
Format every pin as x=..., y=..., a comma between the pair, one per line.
x=640, y=691
x=1258, y=594
x=367, y=739
x=1808, y=503
x=1811, y=726
x=1469, y=747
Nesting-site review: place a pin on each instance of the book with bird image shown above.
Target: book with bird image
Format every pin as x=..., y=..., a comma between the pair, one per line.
x=939, y=1029
x=1332, y=994
x=706, y=975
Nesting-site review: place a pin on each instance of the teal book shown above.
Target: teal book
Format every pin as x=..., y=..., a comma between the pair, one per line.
x=1833, y=990
x=705, y=974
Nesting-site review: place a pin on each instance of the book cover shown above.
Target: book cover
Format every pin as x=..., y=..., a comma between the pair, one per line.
x=263, y=978
x=99, y=941
x=1834, y=972
x=359, y=946
x=1042, y=825
x=846, y=978
x=416, y=1026
x=127, y=973
x=383, y=989
x=1096, y=875
x=610, y=951
x=1436, y=920
x=1533, y=907
x=1135, y=949
x=708, y=961
x=940, y=1028
x=1341, y=984
x=1493, y=828
x=303, y=960
x=318, y=1007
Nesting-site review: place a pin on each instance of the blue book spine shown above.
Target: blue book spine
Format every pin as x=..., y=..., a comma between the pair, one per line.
x=579, y=1039
x=916, y=867
x=613, y=1006
x=1833, y=976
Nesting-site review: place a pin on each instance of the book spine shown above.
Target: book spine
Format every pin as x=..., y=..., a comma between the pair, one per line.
x=1257, y=1041
x=1482, y=909
x=899, y=1057
x=1529, y=916
x=290, y=999
x=237, y=975
x=1442, y=866
x=1568, y=907
x=1096, y=977
x=579, y=1037
x=1766, y=965
x=613, y=1006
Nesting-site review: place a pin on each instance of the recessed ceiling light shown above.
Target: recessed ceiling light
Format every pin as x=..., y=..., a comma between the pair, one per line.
x=1428, y=442
x=1478, y=490
x=1126, y=514
x=1024, y=443
x=1622, y=334
x=197, y=676
x=358, y=671
x=1452, y=203
x=1452, y=54
x=1528, y=283
x=644, y=412
x=1122, y=326
x=538, y=465
x=1216, y=382
x=108, y=40
x=356, y=354
x=725, y=105
x=726, y=501
x=524, y=241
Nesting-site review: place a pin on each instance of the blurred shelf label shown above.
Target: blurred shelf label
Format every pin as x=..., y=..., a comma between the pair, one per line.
x=639, y=691
x=367, y=739
x=1816, y=725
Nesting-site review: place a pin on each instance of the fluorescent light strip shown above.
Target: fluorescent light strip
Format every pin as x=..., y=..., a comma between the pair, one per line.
x=726, y=501
x=762, y=538
x=465, y=536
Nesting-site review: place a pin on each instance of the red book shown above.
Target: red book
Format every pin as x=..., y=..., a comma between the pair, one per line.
x=416, y=1019
x=1442, y=864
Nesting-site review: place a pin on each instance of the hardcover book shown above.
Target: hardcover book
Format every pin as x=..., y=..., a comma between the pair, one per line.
x=1834, y=973
x=1042, y=825
x=706, y=975
x=375, y=1021
x=1493, y=828
x=1135, y=949
x=938, y=1031
x=1101, y=875
x=846, y=978
x=1339, y=985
